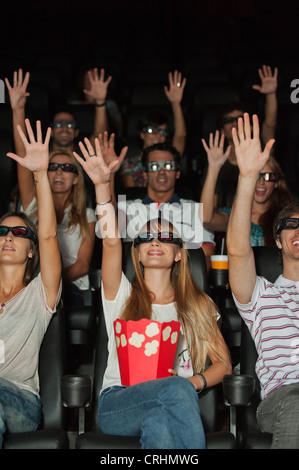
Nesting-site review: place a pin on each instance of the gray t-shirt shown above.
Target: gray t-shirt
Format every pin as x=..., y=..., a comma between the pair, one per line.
x=23, y=323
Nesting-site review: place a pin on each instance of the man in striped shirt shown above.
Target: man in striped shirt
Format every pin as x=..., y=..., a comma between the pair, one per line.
x=271, y=311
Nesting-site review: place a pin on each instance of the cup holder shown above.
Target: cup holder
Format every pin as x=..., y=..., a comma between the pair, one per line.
x=76, y=390
x=238, y=389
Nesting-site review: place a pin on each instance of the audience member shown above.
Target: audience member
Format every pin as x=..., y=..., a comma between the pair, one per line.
x=161, y=167
x=271, y=194
x=75, y=221
x=228, y=118
x=163, y=412
x=154, y=128
x=95, y=92
x=28, y=299
x=270, y=310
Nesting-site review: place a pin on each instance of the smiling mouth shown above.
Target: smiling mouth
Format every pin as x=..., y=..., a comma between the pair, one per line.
x=8, y=248
x=155, y=252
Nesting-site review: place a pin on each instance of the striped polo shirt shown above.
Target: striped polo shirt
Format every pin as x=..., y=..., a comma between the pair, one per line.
x=272, y=317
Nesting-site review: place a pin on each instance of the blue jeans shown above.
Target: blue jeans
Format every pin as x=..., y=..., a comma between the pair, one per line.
x=278, y=414
x=20, y=410
x=164, y=413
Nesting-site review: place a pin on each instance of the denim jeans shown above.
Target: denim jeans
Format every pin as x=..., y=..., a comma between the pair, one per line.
x=20, y=410
x=278, y=414
x=164, y=413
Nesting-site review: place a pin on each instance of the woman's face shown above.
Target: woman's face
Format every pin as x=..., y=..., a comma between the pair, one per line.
x=14, y=250
x=153, y=137
x=62, y=181
x=264, y=189
x=158, y=254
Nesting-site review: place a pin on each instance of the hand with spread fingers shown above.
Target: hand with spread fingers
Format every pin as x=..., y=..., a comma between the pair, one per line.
x=215, y=153
x=108, y=151
x=251, y=160
x=37, y=151
x=18, y=91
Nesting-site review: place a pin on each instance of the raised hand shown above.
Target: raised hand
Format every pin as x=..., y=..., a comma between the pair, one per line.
x=251, y=160
x=215, y=153
x=98, y=85
x=108, y=151
x=37, y=151
x=268, y=80
x=176, y=87
x=18, y=92
x=93, y=163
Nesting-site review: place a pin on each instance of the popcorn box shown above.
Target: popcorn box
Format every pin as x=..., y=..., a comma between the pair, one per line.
x=145, y=349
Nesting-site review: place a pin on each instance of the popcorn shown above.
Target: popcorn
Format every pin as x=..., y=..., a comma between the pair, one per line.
x=136, y=339
x=151, y=348
x=145, y=349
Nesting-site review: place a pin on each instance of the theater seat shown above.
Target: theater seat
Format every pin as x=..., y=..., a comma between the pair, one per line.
x=51, y=433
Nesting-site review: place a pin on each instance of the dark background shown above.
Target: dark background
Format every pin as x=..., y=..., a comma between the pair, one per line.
x=217, y=44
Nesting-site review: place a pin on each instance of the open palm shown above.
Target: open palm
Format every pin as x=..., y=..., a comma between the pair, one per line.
x=37, y=151
x=251, y=160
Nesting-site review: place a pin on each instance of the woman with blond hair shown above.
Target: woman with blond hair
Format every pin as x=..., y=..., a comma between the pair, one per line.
x=163, y=412
x=75, y=221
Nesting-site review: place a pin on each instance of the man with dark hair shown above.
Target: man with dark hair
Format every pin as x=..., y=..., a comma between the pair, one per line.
x=161, y=166
x=153, y=128
x=270, y=310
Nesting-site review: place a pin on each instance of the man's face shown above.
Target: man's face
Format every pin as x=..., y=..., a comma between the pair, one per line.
x=162, y=180
x=64, y=131
x=288, y=242
x=230, y=120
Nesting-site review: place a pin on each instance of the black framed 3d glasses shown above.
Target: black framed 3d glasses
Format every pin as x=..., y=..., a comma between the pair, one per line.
x=67, y=167
x=151, y=167
x=288, y=223
x=268, y=176
x=18, y=231
x=163, y=237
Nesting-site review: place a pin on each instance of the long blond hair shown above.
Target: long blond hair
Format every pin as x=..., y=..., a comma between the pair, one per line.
x=77, y=198
x=196, y=310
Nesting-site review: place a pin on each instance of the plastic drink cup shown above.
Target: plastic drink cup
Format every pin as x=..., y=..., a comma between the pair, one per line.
x=219, y=261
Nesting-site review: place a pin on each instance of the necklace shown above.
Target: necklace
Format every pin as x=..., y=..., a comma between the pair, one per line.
x=2, y=305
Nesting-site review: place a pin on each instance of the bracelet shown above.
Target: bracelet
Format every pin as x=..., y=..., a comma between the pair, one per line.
x=101, y=104
x=104, y=203
x=203, y=381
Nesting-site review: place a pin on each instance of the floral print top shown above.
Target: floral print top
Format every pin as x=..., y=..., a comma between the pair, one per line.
x=133, y=166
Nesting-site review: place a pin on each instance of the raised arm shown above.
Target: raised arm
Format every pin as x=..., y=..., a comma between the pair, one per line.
x=36, y=160
x=175, y=95
x=18, y=95
x=100, y=174
x=109, y=156
x=213, y=219
x=251, y=160
x=98, y=94
x=268, y=87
